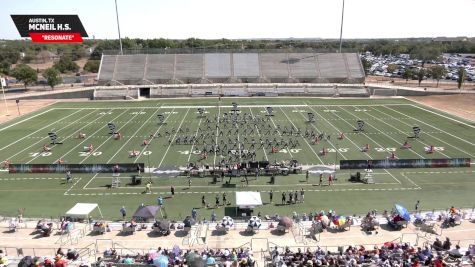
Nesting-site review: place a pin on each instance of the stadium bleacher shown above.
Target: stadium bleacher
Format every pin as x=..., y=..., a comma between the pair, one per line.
x=231, y=68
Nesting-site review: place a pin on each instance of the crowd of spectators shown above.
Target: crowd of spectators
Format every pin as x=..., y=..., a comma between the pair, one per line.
x=177, y=257
x=389, y=255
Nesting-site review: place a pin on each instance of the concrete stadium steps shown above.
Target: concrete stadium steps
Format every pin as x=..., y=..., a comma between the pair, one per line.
x=189, y=67
x=160, y=68
x=303, y=65
x=355, y=68
x=274, y=66
x=130, y=67
x=246, y=65
x=217, y=65
x=332, y=66
x=107, y=68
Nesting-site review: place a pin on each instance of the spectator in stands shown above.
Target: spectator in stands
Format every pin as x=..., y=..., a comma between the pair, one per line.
x=3, y=259
x=447, y=244
x=128, y=260
x=456, y=252
x=437, y=245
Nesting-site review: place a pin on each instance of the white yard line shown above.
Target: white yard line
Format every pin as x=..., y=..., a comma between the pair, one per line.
x=432, y=126
x=311, y=148
x=27, y=119
x=193, y=144
x=128, y=140
x=412, y=182
x=336, y=149
x=111, y=137
x=377, y=129
x=155, y=133
x=42, y=128
x=392, y=176
x=258, y=133
x=418, y=139
x=67, y=137
x=217, y=133
x=100, y=128
x=179, y=127
x=84, y=187
x=41, y=140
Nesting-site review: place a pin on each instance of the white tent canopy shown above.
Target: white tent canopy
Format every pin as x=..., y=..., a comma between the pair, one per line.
x=82, y=210
x=248, y=199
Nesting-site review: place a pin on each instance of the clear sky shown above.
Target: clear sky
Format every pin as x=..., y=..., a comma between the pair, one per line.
x=211, y=19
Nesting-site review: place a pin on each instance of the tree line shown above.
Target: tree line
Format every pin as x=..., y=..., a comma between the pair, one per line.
x=423, y=49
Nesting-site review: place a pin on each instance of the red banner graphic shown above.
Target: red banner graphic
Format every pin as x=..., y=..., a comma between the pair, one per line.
x=56, y=37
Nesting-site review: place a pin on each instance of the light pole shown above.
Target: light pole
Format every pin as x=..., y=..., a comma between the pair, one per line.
x=341, y=28
x=118, y=28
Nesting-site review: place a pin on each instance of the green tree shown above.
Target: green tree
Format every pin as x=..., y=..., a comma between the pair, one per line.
x=437, y=72
x=366, y=65
x=5, y=67
x=420, y=75
x=461, y=78
x=407, y=74
x=92, y=65
x=65, y=64
x=391, y=68
x=52, y=77
x=426, y=53
x=25, y=74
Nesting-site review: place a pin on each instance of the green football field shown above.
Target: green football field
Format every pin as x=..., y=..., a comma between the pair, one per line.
x=388, y=123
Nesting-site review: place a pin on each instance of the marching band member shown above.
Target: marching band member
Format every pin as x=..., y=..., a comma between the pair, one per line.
x=6, y=164
x=429, y=149
x=46, y=148
x=406, y=145
x=342, y=136
x=117, y=136
x=323, y=152
x=81, y=135
x=392, y=155
x=145, y=142
x=134, y=153
x=365, y=148
x=89, y=148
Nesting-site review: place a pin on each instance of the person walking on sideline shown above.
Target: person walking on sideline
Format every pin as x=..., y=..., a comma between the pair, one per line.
x=271, y=196
x=306, y=176
x=68, y=176
x=172, y=190
x=283, y=198
x=189, y=182
x=123, y=211
x=418, y=203
x=148, y=188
